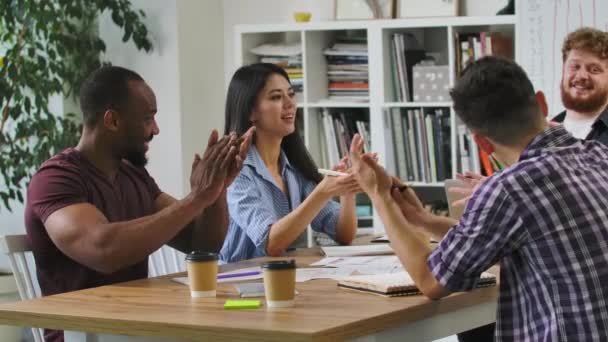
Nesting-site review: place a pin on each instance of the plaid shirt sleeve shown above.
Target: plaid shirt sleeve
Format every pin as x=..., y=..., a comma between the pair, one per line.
x=326, y=220
x=489, y=229
x=244, y=199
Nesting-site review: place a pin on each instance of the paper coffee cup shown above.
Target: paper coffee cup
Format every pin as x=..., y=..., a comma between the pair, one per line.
x=279, y=283
x=202, y=273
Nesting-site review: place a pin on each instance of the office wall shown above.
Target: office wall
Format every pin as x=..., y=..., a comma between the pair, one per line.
x=201, y=64
x=161, y=72
x=185, y=72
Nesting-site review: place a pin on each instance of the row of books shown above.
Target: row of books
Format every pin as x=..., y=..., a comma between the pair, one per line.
x=473, y=158
x=293, y=66
x=421, y=140
x=289, y=57
x=473, y=46
x=338, y=128
x=347, y=71
x=404, y=55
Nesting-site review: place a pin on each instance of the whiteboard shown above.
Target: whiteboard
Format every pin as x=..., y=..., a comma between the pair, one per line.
x=543, y=26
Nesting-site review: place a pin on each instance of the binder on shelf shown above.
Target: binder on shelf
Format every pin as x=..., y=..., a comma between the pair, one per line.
x=399, y=143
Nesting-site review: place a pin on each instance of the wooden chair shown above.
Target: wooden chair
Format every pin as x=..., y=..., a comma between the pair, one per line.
x=16, y=247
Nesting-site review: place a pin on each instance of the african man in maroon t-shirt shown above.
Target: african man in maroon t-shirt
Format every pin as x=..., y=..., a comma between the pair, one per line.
x=94, y=214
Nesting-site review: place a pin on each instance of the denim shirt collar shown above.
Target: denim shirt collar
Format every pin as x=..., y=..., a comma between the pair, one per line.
x=254, y=160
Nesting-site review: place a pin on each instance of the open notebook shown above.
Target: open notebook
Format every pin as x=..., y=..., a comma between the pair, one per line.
x=396, y=284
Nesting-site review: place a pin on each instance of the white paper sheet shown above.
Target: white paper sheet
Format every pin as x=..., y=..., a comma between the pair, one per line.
x=358, y=250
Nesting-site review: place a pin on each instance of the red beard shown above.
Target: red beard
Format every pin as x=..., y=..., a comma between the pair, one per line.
x=592, y=103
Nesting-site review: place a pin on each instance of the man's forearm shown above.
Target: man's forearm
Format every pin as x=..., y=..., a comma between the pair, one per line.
x=124, y=243
x=411, y=248
x=438, y=226
x=347, y=221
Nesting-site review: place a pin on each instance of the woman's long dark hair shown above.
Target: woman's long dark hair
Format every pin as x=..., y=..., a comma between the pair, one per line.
x=246, y=84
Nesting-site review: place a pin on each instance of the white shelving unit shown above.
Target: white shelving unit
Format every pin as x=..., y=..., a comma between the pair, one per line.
x=436, y=36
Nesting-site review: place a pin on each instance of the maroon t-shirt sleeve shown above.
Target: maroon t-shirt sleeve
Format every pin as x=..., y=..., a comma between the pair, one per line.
x=55, y=187
x=151, y=183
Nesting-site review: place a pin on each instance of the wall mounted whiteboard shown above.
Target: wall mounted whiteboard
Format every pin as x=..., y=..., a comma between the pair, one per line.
x=542, y=26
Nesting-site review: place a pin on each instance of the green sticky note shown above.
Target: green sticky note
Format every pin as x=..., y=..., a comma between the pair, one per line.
x=236, y=304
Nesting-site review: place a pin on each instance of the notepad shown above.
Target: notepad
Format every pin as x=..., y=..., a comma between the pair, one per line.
x=396, y=284
x=357, y=250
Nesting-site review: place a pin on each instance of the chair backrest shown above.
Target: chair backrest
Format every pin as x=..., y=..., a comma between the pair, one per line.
x=166, y=260
x=16, y=247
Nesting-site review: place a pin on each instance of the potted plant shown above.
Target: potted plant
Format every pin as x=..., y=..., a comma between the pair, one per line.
x=48, y=48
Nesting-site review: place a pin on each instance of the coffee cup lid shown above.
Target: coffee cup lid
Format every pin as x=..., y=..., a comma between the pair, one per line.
x=201, y=256
x=279, y=265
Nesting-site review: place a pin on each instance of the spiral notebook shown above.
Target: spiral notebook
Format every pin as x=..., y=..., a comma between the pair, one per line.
x=396, y=284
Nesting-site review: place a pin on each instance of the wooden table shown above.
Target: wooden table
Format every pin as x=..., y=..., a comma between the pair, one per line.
x=159, y=308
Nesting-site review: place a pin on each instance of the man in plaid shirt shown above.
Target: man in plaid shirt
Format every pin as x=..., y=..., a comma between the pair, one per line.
x=543, y=218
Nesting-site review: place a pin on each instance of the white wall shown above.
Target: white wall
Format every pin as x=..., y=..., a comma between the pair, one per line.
x=161, y=72
x=201, y=64
x=185, y=70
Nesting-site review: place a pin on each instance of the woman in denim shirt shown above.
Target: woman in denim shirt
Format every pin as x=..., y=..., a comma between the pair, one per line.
x=279, y=191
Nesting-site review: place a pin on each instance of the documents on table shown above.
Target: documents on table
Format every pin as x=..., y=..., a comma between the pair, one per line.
x=331, y=268
x=306, y=274
x=340, y=267
x=357, y=250
x=364, y=265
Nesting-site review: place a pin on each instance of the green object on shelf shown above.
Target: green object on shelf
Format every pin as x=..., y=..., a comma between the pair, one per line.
x=237, y=304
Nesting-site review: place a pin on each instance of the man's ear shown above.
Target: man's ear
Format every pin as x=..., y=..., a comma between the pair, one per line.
x=483, y=143
x=542, y=102
x=110, y=120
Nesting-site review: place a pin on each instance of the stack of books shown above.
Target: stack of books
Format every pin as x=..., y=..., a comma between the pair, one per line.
x=289, y=57
x=347, y=71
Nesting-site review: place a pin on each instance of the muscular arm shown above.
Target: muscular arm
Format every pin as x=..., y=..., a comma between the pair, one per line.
x=206, y=232
x=83, y=233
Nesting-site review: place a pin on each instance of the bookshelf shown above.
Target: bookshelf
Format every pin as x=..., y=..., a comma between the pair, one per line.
x=436, y=36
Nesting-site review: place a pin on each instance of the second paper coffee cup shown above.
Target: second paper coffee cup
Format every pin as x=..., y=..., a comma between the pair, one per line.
x=279, y=283
x=202, y=273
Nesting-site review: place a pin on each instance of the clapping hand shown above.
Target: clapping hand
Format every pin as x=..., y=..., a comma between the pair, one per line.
x=372, y=177
x=472, y=182
x=341, y=185
x=243, y=143
x=209, y=172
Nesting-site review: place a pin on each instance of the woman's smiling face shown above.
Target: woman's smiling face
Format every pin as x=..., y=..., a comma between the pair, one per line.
x=275, y=109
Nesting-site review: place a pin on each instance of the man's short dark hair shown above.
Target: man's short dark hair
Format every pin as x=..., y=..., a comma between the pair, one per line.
x=495, y=99
x=106, y=88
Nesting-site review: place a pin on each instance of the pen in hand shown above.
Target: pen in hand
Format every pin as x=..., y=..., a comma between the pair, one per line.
x=332, y=173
